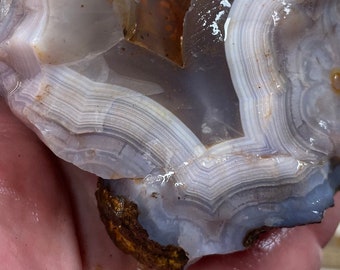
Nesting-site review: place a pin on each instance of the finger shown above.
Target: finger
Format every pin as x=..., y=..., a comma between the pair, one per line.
x=282, y=249
x=36, y=228
x=96, y=247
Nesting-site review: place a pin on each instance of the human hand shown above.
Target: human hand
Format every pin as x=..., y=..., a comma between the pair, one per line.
x=50, y=220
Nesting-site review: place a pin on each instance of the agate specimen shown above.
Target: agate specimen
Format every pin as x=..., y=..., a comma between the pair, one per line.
x=208, y=119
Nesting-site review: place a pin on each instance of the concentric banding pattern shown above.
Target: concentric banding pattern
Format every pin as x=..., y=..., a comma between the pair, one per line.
x=204, y=199
x=113, y=130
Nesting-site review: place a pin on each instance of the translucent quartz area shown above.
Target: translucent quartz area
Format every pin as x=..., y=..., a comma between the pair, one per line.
x=197, y=89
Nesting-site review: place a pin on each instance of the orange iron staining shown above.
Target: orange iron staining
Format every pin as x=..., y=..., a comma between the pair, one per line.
x=120, y=217
x=158, y=26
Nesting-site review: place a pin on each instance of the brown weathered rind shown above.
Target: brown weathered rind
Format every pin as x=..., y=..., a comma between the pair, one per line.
x=120, y=217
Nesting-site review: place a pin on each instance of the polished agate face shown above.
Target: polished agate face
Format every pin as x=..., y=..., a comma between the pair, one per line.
x=209, y=120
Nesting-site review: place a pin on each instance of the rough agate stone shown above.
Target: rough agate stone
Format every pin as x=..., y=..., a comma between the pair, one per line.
x=208, y=119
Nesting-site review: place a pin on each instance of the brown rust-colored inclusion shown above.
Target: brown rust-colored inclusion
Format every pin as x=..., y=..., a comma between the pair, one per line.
x=120, y=217
x=335, y=80
x=158, y=26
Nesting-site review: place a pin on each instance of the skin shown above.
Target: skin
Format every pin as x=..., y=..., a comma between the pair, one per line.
x=49, y=218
